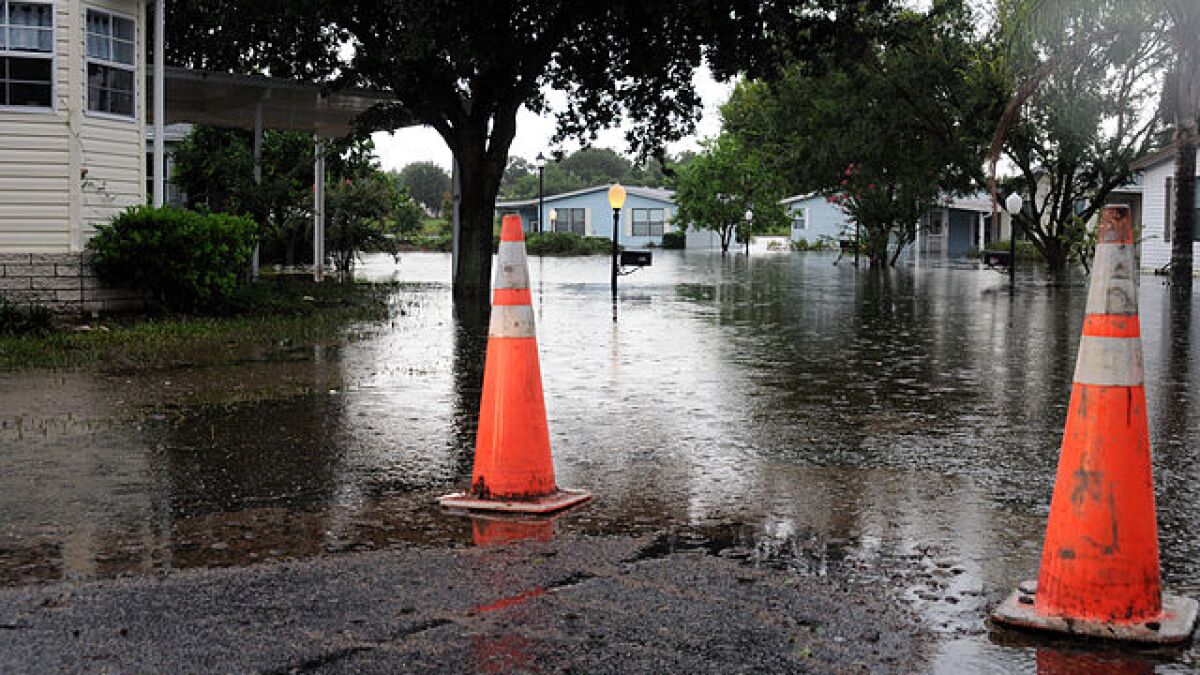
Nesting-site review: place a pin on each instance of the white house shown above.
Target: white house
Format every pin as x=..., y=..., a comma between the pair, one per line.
x=72, y=119
x=1157, y=183
x=75, y=102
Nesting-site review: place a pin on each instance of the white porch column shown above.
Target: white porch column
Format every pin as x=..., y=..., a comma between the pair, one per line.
x=160, y=107
x=319, y=209
x=981, y=235
x=917, y=244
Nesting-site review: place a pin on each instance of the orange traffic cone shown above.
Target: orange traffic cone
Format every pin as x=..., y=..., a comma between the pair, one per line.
x=1100, y=573
x=513, y=467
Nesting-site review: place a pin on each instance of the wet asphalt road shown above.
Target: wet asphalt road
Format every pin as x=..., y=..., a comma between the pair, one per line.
x=595, y=605
x=896, y=434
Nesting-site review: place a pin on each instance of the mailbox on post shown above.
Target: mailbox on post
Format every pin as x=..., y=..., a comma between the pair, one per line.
x=635, y=258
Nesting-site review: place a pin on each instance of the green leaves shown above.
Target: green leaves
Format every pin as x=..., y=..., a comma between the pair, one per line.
x=185, y=260
x=717, y=189
x=367, y=214
x=910, y=113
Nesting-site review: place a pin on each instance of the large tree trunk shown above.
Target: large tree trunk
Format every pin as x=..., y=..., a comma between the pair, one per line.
x=878, y=238
x=1056, y=254
x=1185, y=205
x=480, y=144
x=480, y=178
x=1185, y=17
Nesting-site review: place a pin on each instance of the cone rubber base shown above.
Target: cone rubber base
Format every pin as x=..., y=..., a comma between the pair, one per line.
x=1174, y=626
x=558, y=501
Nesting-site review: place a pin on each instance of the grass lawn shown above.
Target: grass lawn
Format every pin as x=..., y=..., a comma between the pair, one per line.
x=271, y=313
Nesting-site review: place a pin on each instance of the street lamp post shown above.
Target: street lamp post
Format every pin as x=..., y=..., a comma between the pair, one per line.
x=616, y=199
x=540, y=163
x=749, y=219
x=1013, y=205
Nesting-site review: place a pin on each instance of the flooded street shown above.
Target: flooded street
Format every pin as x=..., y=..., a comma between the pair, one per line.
x=898, y=431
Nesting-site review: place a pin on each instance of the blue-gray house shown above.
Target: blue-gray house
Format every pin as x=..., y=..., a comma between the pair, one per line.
x=946, y=232
x=816, y=220
x=647, y=214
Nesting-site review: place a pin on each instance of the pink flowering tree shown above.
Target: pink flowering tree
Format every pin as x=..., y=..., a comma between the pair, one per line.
x=883, y=211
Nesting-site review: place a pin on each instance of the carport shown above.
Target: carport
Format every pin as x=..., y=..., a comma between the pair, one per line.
x=254, y=103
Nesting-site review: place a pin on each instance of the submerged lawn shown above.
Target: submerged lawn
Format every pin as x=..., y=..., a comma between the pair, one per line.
x=270, y=314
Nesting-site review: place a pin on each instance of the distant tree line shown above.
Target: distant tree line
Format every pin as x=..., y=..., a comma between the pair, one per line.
x=586, y=168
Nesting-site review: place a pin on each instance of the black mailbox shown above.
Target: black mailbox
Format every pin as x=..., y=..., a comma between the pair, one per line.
x=635, y=258
x=996, y=258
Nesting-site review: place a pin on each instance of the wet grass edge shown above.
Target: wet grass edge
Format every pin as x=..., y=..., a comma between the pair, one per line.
x=273, y=314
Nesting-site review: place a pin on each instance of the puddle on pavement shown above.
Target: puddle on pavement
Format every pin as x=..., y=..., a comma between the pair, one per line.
x=898, y=431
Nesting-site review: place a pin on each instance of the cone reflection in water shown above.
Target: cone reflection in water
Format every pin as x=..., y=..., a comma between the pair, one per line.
x=1059, y=662
x=489, y=530
x=1100, y=572
x=513, y=470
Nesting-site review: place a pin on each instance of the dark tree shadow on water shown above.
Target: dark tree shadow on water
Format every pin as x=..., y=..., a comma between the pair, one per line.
x=470, y=352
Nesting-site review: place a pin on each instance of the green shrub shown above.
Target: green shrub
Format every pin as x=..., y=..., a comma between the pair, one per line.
x=24, y=319
x=422, y=242
x=675, y=239
x=1025, y=249
x=187, y=261
x=818, y=244
x=566, y=244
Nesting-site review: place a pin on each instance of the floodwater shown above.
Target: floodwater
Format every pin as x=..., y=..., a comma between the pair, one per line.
x=899, y=430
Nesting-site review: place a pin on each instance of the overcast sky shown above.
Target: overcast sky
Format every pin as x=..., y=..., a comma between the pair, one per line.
x=533, y=132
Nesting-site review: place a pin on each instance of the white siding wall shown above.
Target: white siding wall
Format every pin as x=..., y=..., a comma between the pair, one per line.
x=45, y=204
x=1156, y=250
x=111, y=149
x=34, y=163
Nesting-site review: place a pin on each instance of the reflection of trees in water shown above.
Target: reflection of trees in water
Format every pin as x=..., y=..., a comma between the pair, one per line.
x=1177, y=469
x=1068, y=661
x=922, y=368
x=225, y=458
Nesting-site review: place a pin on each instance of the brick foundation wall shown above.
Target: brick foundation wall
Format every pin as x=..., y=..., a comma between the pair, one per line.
x=64, y=282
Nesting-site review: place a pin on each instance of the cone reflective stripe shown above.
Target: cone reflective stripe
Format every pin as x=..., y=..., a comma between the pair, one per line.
x=514, y=470
x=1099, y=574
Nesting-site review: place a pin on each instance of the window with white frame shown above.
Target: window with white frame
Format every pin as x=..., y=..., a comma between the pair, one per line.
x=26, y=54
x=647, y=222
x=571, y=220
x=800, y=219
x=111, y=66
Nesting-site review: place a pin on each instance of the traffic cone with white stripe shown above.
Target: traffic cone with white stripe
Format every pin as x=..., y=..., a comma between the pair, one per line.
x=1100, y=574
x=513, y=470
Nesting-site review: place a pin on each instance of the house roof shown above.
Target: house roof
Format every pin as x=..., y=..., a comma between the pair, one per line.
x=980, y=203
x=1152, y=159
x=222, y=99
x=798, y=198
x=657, y=194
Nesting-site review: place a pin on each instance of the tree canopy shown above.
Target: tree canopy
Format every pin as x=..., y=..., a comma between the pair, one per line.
x=887, y=134
x=1086, y=76
x=425, y=182
x=723, y=184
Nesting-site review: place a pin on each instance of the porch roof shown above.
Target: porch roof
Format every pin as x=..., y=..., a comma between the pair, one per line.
x=222, y=99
